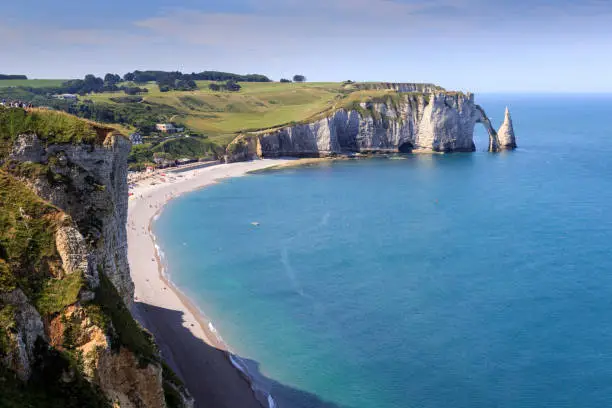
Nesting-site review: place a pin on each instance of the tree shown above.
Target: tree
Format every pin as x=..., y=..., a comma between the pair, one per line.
x=285, y=80
x=111, y=79
x=232, y=86
x=128, y=77
x=299, y=78
x=214, y=87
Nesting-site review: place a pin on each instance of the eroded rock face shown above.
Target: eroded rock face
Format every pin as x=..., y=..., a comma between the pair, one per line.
x=72, y=249
x=89, y=183
x=121, y=378
x=119, y=374
x=92, y=189
x=86, y=337
x=27, y=148
x=28, y=329
x=437, y=122
x=507, y=140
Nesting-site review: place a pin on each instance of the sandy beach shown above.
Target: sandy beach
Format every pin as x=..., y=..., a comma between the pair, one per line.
x=186, y=337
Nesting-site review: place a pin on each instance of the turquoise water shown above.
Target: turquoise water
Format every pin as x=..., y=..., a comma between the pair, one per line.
x=463, y=280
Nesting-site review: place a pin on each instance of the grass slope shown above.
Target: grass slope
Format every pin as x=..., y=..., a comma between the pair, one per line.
x=221, y=115
x=49, y=126
x=32, y=83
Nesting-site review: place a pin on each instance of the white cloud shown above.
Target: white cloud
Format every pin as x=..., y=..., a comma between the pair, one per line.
x=289, y=23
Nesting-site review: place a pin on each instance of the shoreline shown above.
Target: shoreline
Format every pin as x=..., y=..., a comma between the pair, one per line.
x=173, y=318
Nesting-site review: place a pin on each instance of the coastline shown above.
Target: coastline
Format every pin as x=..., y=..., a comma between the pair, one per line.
x=173, y=318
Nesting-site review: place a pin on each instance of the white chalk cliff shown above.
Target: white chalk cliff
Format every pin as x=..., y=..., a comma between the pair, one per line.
x=397, y=121
x=505, y=134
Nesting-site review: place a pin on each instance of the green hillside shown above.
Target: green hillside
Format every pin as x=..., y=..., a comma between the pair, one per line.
x=220, y=115
x=212, y=118
x=32, y=83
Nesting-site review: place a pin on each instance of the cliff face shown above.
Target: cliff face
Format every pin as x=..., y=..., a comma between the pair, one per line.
x=65, y=289
x=396, y=122
x=94, y=194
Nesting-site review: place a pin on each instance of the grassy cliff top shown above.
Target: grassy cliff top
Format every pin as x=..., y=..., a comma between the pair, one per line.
x=258, y=105
x=221, y=115
x=50, y=126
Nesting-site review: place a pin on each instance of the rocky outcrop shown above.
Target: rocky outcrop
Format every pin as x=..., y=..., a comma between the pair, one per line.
x=129, y=385
x=89, y=184
x=505, y=134
x=397, y=122
x=73, y=316
x=399, y=87
x=28, y=328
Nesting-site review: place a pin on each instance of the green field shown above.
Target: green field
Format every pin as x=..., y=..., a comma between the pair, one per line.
x=33, y=83
x=213, y=118
x=221, y=115
x=258, y=105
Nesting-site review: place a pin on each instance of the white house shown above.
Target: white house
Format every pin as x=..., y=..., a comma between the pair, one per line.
x=71, y=97
x=136, y=138
x=165, y=127
x=168, y=128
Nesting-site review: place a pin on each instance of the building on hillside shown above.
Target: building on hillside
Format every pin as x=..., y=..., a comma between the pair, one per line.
x=136, y=138
x=71, y=97
x=165, y=127
x=168, y=128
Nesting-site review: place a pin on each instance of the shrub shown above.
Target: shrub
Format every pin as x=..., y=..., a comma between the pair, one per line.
x=56, y=294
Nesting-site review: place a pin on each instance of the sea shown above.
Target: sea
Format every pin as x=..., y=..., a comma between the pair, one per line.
x=467, y=280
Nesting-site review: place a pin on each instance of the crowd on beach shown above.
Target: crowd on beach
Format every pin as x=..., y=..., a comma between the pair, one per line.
x=157, y=177
x=16, y=104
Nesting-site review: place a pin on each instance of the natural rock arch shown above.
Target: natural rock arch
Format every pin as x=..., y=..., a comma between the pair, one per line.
x=504, y=138
x=493, y=139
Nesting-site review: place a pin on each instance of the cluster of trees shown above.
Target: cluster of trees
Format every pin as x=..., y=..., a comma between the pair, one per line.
x=195, y=147
x=167, y=81
x=296, y=78
x=165, y=77
x=133, y=90
x=226, y=76
x=89, y=84
x=143, y=115
x=3, y=76
x=176, y=84
x=230, y=86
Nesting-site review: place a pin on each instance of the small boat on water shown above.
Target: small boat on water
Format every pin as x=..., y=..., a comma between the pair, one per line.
x=255, y=224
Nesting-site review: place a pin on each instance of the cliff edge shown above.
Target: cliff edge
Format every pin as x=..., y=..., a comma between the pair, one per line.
x=67, y=337
x=384, y=119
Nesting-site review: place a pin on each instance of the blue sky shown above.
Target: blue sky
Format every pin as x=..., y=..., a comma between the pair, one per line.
x=478, y=45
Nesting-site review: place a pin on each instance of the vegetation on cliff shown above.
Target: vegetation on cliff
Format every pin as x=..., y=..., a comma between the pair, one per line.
x=29, y=262
x=76, y=323
x=27, y=242
x=210, y=113
x=127, y=333
x=52, y=127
